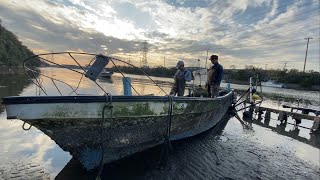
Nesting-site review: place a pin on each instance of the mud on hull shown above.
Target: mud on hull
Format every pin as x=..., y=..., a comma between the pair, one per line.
x=133, y=127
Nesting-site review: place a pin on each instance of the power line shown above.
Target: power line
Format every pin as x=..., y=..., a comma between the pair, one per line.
x=298, y=30
x=273, y=24
x=258, y=15
x=270, y=47
x=264, y=42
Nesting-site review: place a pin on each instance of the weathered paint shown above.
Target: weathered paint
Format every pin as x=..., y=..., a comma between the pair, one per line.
x=135, y=126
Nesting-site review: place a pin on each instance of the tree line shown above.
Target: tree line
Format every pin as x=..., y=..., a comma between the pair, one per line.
x=12, y=51
x=292, y=76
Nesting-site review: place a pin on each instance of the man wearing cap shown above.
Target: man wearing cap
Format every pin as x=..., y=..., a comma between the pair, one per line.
x=182, y=75
x=214, y=77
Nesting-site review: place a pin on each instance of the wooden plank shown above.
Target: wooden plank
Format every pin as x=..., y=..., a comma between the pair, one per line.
x=292, y=114
x=316, y=112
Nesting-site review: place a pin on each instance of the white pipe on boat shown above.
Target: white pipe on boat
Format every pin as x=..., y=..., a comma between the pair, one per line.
x=127, y=86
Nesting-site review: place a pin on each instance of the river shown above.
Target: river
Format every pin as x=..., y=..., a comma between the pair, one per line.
x=228, y=151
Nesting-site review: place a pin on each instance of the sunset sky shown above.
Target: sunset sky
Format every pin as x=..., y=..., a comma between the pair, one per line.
x=242, y=32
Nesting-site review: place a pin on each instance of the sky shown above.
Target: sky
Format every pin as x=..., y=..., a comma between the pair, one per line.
x=263, y=33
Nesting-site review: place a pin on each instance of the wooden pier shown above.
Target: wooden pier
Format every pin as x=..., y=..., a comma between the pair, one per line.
x=283, y=116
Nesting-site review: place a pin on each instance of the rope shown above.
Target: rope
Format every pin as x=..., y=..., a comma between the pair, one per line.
x=170, y=98
x=166, y=147
x=109, y=106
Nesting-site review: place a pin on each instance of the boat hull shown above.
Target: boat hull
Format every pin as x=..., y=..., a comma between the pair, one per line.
x=133, y=124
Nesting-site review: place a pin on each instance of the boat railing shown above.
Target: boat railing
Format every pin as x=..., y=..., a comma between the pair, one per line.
x=36, y=76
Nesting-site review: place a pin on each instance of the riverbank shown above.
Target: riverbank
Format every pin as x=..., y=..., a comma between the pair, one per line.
x=292, y=79
x=288, y=85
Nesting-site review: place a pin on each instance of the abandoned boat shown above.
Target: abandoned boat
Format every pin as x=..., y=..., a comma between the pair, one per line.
x=101, y=129
x=272, y=83
x=105, y=73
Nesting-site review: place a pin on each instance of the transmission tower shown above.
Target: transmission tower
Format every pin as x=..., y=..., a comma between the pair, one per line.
x=285, y=65
x=144, y=50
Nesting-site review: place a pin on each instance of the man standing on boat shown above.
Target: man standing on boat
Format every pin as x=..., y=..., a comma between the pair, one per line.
x=182, y=75
x=214, y=77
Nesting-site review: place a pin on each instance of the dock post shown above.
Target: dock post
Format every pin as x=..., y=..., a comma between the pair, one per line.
x=267, y=116
x=316, y=124
x=283, y=117
x=127, y=86
x=298, y=120
x=260, y=114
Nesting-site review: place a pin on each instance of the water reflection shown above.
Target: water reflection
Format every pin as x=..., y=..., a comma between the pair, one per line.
x=211, y=155
x=85, y=86
x=105, y=80
x=11, y=85
x=288, y=130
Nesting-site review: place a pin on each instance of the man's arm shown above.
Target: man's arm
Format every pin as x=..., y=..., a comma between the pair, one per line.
x=187, y=76
x=175, y=75
x=219, y=74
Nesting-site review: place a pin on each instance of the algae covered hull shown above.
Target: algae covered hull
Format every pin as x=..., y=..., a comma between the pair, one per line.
x=130, y=123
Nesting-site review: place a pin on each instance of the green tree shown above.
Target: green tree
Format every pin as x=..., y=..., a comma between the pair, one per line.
x=12, y=51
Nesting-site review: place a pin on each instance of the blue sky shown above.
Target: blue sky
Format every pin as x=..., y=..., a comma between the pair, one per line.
x=242, y=32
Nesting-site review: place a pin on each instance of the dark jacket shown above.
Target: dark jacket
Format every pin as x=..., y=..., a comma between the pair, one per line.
x=216, y=74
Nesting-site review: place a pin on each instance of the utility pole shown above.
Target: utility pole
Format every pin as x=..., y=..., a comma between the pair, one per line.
x=129, y=61
x=164, y=61
x=206, y=59
x=305, y=59
x=266, y=66
x=285, y=65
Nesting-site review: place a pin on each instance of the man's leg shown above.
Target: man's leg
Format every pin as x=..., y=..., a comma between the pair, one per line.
x=181, y=89
x=208, y=90
x=214, y=90
x=174, y=89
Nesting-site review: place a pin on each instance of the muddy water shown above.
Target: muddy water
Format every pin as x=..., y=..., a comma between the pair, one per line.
x=260, y=150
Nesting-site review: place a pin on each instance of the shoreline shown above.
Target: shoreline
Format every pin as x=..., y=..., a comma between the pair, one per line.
x=5, y=70
x=289, y=85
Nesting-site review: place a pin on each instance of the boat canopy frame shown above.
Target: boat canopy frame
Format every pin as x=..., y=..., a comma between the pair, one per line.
x=35, y=76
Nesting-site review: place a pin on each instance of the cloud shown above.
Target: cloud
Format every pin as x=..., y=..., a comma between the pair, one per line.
x=240, y=32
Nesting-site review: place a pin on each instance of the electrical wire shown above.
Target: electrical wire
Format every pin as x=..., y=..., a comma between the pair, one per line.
x=257, y=15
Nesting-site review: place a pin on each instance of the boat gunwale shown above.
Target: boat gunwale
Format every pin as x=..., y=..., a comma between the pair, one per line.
x=10, y=100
